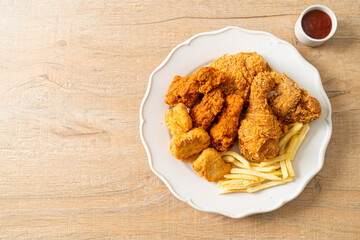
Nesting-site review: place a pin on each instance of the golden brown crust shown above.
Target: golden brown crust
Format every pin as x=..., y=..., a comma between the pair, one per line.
x=260, y=130
x=178, y=119
x=223, y=132
x=204, y=113
x=184, y=145
x=187, y=89
x=292, y=104
x=183, y=90
x=240, y=69
x=211, y=166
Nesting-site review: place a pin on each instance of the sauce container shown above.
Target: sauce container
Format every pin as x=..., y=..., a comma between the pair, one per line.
x=315, y=25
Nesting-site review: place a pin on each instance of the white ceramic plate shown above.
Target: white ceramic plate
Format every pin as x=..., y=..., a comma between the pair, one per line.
x=179, y=177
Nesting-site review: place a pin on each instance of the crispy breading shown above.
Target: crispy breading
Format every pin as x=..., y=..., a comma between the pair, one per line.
x=184, y=145
x=183, y=90
x=211, y=166
x=292, y=104
x=205, y=112
x=260, y=131
x=224, y=131
x=187, y=89
x=240, y=69
x=178, y=119
x=208, y=78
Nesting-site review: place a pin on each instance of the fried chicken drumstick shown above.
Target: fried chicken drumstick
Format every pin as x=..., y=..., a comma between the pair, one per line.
x=260, y=130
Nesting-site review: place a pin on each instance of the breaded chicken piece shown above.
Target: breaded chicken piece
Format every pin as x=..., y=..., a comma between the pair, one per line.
x=183, y=90
x=234, y=68
x=205, y=112
x=292, y=104
x=184, y=145
x=224, y=131
x=208, y=78
x=240, y=69
x=186, y=90
x=308, y=110
x=211, y=166
x=178, y=119
x=260, y=131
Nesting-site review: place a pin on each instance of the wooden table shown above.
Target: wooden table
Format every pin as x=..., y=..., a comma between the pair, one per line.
x=72, y=76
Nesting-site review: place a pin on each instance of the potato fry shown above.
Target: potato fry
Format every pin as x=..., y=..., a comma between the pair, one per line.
x=282, y=150
x=289, y=167
x=294, y=130
x=246, y=176
x=234, y=161
x=237, y=184
x=293, y=145
x=275, y=160
x=268, y=184
x=238, y=157
x=242, y=176
x=284, y=169
x=258, y=174
x=270, y=168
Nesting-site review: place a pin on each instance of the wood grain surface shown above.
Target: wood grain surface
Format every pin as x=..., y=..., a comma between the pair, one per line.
x=72, y=77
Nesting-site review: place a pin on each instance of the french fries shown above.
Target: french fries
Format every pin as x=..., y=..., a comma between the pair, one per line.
x=246, y=176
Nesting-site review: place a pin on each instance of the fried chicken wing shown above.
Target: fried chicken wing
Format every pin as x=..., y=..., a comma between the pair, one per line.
x=178, y=119
x=292, y=104
x=205, y=112
x=209, y=78
x=211, y=166
x=224, y=131
x=187, y=89
x=183, y=90
x=240, y=70
x=184, y=145
x=260, y=130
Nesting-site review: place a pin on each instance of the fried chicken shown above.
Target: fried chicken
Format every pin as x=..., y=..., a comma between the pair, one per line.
x=187, y=89
x=178, y=119
x=292, y=104
x=205, y=112
x=260, y=130
x=184, y=145
x=211, y=166
x=240, y=70
x=223, y=132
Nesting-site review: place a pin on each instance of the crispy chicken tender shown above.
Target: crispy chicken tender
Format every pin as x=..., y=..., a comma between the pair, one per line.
x=292, y=104
x=211, y=166
x=187, y=89
x=224, y=131
x=205, y=112
x=260, y=131
x=240, y=69
x=178, y=119
x=183, y=146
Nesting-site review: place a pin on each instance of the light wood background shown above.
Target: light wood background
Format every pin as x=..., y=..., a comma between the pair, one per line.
x=72, y=76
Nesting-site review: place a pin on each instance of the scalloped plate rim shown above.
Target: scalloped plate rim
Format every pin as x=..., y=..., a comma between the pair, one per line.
x=281, y=201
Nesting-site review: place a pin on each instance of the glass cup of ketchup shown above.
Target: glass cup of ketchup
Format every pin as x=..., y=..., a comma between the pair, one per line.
x=315, y=25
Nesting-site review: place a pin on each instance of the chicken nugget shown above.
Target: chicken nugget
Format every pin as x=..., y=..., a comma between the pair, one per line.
x=184, y=145
x=211, y=166
x=178, y=119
